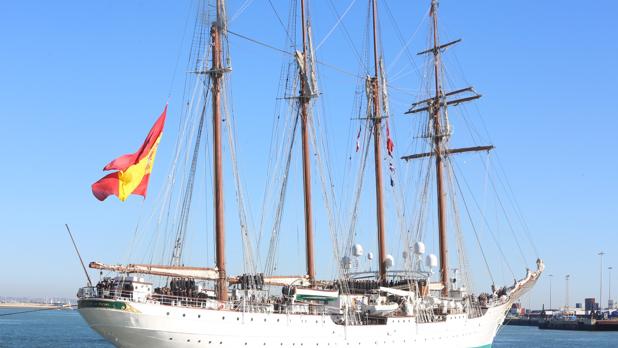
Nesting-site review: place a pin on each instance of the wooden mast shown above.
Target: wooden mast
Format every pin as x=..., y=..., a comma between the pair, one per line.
x=305, y=98
x=438, y=139
x=377, y=120
x=216, y=75
x=440, y=136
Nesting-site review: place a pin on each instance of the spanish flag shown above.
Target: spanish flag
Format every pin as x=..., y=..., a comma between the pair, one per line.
x=132, y=170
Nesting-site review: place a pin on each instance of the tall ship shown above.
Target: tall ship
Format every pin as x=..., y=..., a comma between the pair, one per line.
x=424, y=303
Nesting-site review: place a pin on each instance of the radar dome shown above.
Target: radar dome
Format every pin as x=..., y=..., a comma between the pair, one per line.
x=432, y=261
x=419, y=248
x=357, y=250
x=389, y=261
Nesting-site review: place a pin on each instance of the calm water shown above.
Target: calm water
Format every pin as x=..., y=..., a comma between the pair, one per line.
x=47, y=329
x=67, y=329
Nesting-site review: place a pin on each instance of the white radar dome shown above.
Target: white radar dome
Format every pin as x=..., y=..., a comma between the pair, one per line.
x=419, y=248
x=357, y=250
x=432, y=261
x=389, y=261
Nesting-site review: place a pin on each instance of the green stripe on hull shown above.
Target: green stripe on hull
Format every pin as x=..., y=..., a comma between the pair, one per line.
x=315, y=298
x=102, y=304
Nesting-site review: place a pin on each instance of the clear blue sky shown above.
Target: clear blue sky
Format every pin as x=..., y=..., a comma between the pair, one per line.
x=81, y=82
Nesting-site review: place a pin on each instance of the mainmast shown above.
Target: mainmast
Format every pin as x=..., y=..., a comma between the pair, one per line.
x=377, y=120
x=438, y=138
x=216, y=76
x=305, y=99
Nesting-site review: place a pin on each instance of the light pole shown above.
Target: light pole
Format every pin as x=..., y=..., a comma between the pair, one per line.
x=609, y=286
x=551, y=276
x=567, y=292
x=601, y=281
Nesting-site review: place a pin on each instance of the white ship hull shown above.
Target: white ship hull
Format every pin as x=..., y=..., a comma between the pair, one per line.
x=153, y=325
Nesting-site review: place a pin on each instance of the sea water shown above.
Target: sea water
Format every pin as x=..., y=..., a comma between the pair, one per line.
x=66, y=328
x=50, y=328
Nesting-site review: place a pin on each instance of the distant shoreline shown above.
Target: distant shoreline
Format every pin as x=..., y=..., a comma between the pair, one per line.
x=29, y=305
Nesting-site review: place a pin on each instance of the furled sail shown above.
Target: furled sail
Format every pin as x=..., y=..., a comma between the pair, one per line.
x=198, y=273
x=161, y=270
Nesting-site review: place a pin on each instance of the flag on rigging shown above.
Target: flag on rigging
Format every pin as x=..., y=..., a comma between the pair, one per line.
x=132, y=170
x=390, y=145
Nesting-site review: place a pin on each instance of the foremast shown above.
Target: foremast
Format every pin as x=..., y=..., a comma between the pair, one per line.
x=436, y=106
x=438, y=137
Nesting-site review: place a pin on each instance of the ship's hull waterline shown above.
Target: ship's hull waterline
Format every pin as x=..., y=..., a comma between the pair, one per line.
x=130, y=324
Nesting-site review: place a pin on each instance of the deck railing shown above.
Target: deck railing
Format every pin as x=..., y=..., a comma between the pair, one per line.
x=242, y=305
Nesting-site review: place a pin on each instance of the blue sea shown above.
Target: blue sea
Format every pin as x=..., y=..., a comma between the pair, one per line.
x=55, y=328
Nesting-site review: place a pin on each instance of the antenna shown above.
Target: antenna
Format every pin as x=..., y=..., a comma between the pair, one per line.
x=78, y=254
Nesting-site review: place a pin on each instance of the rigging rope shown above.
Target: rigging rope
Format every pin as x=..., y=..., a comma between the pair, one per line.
x=289, y=37
x=339, y=19
x=404, y=48
x=188, y=195
x=37, y=310
x=274, y=240
x=249, y=263
x=245, y=5
x=486, y=222
x=478, y=240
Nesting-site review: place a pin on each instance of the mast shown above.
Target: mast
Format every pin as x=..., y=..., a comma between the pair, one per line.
x=377, y=120
x=438, y=138
x=216, y=75
x=434, y=105
x=305, y=98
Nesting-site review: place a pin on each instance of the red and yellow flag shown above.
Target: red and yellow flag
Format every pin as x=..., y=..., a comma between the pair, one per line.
x=133, y=170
